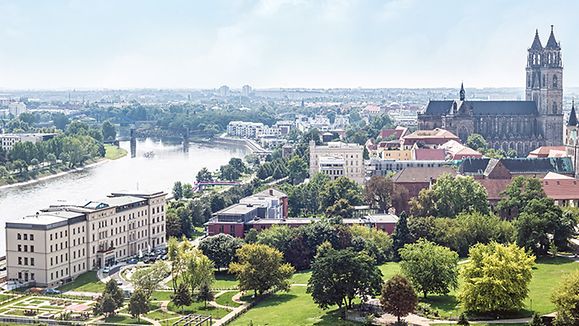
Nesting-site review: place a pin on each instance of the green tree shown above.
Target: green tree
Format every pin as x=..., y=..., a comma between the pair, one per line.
x=278, y=237
x=251, y=236
x=205, y=294
x=339, y=276
x=260, y=269
x=177, y=190
x=398, y=297
x=60, y=120
x=297, y=169
x=182, y=297
x=204, y=175
x=431, y=268
x=376, y=243
x=462, y=320
x=107, y=305
x=138, y=304
x=496, y=278
x=220, y=248
x=566, y=300
x=378, y=192
x=471, y=228
x=198, y=269
x=536, y=320
x=340, y=209
x=401, y=235
x=518, y=194
x=230, y=173
x=450, y=196
x=237, y=164
x=147, y=280
x=477, y=142
x=187, y=190
x=115, y=292
x=109, y=131
x=341, y=188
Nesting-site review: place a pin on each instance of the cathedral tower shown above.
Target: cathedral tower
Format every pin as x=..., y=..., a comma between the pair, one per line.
x=545, y=87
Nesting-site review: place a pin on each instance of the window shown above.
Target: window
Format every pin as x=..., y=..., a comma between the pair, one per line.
x=18, y=236
x=50, y=248
x=32, y=261
x=51, y=263
x=25, y=260
x=32, y=276
x=25, y=248
x=19, y=247
x=25, y=236
x=32, y=239
x=31, y=248
x=19, y=260
x=51, y=276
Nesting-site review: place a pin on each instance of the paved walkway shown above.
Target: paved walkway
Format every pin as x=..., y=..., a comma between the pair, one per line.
x=235, y=312
x=214, y=303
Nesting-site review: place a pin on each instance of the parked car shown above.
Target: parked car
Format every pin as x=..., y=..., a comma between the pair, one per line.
x=119, y=283
x=165, y=257
x=51, y=291
x=132, y=261
x=106, y=270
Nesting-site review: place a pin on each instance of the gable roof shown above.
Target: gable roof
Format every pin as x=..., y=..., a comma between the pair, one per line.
x=520, y=165
x=429, y=154
x=438, y=107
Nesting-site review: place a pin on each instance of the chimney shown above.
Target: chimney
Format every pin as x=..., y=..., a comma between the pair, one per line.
x=271, y=192
x=37, y=213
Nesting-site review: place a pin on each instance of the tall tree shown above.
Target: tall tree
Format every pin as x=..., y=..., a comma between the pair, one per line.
x=398, y=297
x=518, y=194
x=205, y=294
x=431, y=268
x=496, y=278
x=220, y=249
x=297, y=169
x=341, y=188
x=450, y=196
x=339, y=276
x=147, y=280
x=477, y=142
x=178, y=190
x=204, y=175
x=138, y=304
x=260, y=269
x=109, y=131
x=378, y=192
x=401, y=235
x=182, y=297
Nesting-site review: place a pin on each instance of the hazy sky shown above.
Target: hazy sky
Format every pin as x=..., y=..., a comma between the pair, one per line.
x=276, y=43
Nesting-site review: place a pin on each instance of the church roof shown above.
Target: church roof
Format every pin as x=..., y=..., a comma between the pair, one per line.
x=520, y=165
x=552, y=43
x=572, y=116
x=536, y=42
x=439, y=108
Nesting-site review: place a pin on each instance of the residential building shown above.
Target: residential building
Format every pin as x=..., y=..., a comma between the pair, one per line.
x=345, y=157
x=245, y=129
x=7, y=141
x=416, y=179
x=59, y=243
x=434, y=138
x=16, y=108
x=457, y=151
x=384, y=167
x=246, y=90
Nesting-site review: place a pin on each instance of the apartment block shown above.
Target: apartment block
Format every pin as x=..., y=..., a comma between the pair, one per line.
x=338, y=159
x=59, y=243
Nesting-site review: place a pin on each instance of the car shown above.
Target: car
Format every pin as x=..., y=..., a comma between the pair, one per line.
x=159, y=257
x=51, y=291
x=119, y=283
x=106, y=269
x=132, y=261
x=165, y=257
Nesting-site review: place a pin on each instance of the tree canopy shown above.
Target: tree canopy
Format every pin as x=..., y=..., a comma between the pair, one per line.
x=398, y=297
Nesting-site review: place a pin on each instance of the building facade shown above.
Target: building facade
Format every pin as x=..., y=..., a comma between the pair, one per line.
x=7, y=141
x=511, y=125
x=343, y=159
x=57, y=244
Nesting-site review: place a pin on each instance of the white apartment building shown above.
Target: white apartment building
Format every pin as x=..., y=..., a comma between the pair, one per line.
x=16, y=108
x=245, y=129
x=7, y=141
x=338, y=156
x=59, y=243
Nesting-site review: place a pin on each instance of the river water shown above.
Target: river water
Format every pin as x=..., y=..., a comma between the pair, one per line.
x=170, y=163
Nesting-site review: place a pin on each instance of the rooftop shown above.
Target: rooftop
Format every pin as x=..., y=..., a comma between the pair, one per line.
x=421, y=174
x=236, y=209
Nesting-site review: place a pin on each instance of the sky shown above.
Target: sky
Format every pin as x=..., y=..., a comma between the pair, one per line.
x=118, y=44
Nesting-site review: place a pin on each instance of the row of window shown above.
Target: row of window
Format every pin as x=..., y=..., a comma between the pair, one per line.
x=63, y=245
x=24, y=261
x=56, y=235
x=74, y=267
x=25, y=236
x=62, y=258
x=25, y=248
x=61, y=274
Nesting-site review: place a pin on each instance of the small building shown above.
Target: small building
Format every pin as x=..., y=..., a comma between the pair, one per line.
x=434, y=138
x=416, y=179
x=7, y=141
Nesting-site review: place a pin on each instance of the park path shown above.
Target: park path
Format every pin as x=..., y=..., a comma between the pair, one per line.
x=235, y=312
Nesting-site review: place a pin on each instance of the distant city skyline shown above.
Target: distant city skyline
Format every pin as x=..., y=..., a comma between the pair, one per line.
x=269, y=44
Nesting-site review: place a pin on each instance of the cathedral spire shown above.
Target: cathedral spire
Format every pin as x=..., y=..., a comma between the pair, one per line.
x=462, y=93
x=552, y=42
x=572, y=116
x=537, y=42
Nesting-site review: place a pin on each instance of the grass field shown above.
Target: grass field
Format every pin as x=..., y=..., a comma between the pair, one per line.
x=224, y=280
x=225, y=299
x=199, y=308
x=122, y=319
x=87, y=282
x=547, y=274
x=112, y=152
x=293, y=308
x=162, y=295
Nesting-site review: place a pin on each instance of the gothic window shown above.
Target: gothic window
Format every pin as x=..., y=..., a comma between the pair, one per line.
x=555, y=82
x=554, y=107
x=544, y=80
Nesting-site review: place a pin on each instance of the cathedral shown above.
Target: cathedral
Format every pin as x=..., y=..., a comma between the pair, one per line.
x=511, y=125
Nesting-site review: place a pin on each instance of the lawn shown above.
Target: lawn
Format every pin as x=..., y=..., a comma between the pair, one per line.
x=293, y=308
x=87, y=282
x=162, y=295
x=224, y=280
x=225, y=299
x=4, y=297
x=112, y=152
x=389, y=269
x=547, y=275
x=122, y=319
x=301, y=277
x=199, y=308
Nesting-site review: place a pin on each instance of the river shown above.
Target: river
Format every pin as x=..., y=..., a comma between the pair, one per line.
x=170, y=163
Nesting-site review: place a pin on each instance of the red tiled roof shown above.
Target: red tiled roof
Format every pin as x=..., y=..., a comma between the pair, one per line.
x=427, y=154
x=548, y=151
x=436, y=133
x=398, y=132
x=562, y=189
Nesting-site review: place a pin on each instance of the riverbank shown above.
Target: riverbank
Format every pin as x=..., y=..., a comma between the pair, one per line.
x=250, y=144
x=112, y=153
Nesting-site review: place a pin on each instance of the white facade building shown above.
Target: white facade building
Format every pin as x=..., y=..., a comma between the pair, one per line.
x=57, y=244
x=7, y=141
x=351, y=154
